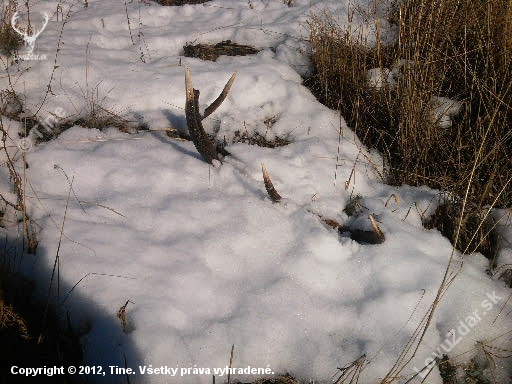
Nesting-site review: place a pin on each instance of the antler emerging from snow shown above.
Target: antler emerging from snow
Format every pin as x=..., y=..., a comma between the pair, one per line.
x=376, y=229
x=30, y=40
x=375, y=236
x=274, y=196
x=204, y=145
x=202, y=142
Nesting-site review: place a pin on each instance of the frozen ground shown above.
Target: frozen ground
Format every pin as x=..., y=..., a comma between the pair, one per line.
x=204, y=257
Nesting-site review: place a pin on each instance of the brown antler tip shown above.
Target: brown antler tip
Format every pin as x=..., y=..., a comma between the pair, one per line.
x=274, y=196
x=376, y=229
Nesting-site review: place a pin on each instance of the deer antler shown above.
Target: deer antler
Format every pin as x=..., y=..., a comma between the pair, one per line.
x=218, y=101
x=375, y=236
x=274, y=196
x=204, y=145
x=202, y=142
x=376, y=229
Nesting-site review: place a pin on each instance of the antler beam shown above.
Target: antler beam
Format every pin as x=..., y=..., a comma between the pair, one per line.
x=204, y=145
x=202, y=142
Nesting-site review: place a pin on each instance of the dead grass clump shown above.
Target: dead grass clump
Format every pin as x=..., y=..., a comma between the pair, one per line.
x=440, y=112
x=180, y=2
x=213, y=51
x=478, y=234
x=9, y=40
x=260, y=140
x=102, y=118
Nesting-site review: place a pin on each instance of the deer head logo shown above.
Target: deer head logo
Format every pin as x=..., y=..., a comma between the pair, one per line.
x=30, y=40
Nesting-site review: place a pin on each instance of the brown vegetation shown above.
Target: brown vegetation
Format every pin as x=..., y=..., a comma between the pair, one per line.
x=461, y=51
x=213, y=51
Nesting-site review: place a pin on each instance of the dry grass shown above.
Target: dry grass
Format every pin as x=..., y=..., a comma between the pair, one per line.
x=11, y=322
x=458, y=50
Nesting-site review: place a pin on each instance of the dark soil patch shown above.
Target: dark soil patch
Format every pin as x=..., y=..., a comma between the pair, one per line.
x=213, y=51
x=180, y=2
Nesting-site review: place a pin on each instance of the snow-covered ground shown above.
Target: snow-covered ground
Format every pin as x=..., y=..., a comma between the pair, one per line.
x=204, y=257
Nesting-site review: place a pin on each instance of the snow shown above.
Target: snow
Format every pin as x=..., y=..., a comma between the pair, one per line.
x=204, y=257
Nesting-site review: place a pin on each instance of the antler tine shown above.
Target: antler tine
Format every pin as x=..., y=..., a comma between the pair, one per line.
x=218, y=101
x=189, y=88
x=377, y=230
x=274, y=196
